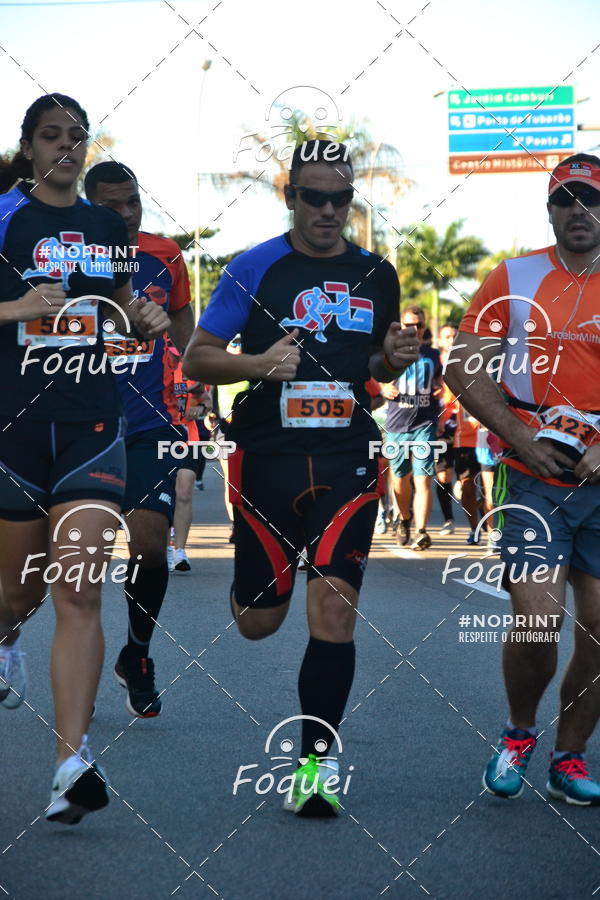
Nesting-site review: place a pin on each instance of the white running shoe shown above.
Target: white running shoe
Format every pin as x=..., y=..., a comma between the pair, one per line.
x=13, y=675
x=447, y=527
x=79, y=787
x=182, y=563
x=170, y=557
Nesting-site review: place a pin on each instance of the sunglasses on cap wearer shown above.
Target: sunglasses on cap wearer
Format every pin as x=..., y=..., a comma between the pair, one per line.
x=567, y=195
x=319, y=198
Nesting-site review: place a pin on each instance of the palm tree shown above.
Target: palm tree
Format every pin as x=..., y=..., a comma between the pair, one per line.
x=489, y=262
x=378, y=171
x=428, y=260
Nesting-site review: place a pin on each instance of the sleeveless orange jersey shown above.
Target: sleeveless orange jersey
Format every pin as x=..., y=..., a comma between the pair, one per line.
x=544, y=322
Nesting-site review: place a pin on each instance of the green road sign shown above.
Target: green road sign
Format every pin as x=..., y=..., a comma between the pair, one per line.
x=511, y=97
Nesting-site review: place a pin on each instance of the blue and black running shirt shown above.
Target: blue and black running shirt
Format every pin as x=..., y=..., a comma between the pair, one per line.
x=48, y=371
x=343, y=306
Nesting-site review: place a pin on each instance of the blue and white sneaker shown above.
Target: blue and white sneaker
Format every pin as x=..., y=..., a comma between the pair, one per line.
x=13, y=675
x=505, y=772
x=570, y=780
x=472, y=539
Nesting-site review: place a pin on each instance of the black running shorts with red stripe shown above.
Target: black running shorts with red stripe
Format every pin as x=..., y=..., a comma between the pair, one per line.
x=326, y=503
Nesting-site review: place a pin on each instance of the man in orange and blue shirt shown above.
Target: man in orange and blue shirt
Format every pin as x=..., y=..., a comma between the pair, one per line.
x=526, y=363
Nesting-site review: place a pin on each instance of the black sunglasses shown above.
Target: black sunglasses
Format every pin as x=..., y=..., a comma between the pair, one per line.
x=566, y=196
x=319, y=198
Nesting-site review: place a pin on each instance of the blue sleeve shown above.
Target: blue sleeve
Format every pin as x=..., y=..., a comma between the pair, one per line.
x=230, y=306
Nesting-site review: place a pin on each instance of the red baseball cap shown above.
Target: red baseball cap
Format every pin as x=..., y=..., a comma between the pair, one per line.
x=584, y=171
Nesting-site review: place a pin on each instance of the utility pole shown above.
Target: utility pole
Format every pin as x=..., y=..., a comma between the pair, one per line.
x=205, y=67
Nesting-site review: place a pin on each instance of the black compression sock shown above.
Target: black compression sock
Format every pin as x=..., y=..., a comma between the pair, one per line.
x=145, y=594
x=324, y=683
x=445, y=501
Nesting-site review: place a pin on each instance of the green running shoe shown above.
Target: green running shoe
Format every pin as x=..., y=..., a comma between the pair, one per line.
x=505, y=772
x=570, y=780
x=309, y=794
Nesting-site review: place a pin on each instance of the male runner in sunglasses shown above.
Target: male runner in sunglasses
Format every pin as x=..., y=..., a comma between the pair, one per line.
x=541, y=312
x=317, y=315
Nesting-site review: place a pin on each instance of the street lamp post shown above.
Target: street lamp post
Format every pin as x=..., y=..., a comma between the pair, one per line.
x=369, y=229
x=205, y=67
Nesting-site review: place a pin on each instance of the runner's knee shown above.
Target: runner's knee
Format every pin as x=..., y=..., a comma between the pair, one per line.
x=254, y=625
x=149, y=551
x=83, y=600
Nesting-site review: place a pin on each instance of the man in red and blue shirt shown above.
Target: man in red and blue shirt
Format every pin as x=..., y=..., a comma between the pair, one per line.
x=146, y=388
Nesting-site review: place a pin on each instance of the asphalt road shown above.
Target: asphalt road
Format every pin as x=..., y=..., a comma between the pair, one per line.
x=424, y=712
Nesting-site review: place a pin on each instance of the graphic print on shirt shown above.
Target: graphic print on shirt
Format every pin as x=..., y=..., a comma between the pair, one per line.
x=54, y=258
x=314, y=310
x=415, y=383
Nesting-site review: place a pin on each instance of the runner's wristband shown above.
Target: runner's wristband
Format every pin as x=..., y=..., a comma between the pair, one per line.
x=387, y=365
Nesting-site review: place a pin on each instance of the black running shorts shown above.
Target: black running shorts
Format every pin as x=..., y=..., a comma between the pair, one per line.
x=151, y=471
x=466, y=464
x=326, y=503
x=43, y=464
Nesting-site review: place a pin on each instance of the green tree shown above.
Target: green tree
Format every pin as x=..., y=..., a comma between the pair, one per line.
x=379, y=172
x=211, y=267
x=185, y=239
x=489, y=262
x=427, y=260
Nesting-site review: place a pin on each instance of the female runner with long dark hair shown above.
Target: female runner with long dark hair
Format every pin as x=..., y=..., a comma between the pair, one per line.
x=64, y=285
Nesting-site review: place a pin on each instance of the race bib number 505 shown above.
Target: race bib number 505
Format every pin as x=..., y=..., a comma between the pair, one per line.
x=78, y=324
x=316, y=404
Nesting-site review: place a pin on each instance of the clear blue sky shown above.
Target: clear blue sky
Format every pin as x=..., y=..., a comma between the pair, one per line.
x=107, y=55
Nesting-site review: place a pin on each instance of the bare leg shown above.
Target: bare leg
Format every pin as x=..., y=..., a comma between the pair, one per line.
x=403, y=492
x=469, y=500
x=78, y=647
x=580, y=689
x=422, y=502
x=182, y=520
x=529, y=666
x=487, y=481
x=225, y=466
x=23, y=550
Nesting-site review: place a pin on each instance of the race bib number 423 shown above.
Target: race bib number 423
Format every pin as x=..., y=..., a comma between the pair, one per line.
x=316, y=404
x=569, y=426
